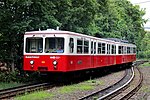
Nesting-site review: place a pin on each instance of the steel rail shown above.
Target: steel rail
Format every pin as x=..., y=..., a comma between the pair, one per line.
x=117, y=89
x=108, y=91
x=10, y=92
x=134, y=90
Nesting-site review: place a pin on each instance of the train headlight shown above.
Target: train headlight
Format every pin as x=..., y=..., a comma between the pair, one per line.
x=55, y=63
x=31, y=62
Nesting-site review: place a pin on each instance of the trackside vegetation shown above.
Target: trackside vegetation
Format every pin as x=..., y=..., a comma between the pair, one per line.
x=85, y=86
x=145, y=47
x=147, y=64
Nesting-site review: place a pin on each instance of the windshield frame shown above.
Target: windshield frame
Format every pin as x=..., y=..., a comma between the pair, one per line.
x=44, y=41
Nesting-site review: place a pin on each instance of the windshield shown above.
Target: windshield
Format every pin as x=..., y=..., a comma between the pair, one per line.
x=54, y=45
x=34, y=45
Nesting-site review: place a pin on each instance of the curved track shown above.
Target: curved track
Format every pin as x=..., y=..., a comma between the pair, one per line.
x=132, y=88
x=102, y=94
x=8, y=93
x=121, y=90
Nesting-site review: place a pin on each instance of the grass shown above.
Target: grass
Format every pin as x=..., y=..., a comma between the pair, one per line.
x=72, y=88
x=38, y=95
x=147, y=64
x=87, y=85
x=4, y=85
x=143, y=58
x=145, y=89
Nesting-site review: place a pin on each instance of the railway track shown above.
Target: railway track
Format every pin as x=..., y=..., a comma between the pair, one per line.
x=10, y=92
x=132, y=87
x=121, y=90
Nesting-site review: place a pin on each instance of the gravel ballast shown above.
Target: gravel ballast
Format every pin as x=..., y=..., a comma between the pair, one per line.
x=84, y=88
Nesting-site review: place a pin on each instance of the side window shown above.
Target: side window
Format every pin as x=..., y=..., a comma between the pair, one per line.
x=128, y=50
x=79, y=46
x=86, y=46
x=99, y=48
x=134, y=50
x=103, y=48
x=71, y=45
x=92, y=47
x=131, y=49
x=113, y=49
x=119, y=50
x=123, y=50
x=108, y=48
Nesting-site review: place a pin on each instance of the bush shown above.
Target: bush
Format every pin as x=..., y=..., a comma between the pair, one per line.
x=20, y=78
x=145, y=54
x=140, y=55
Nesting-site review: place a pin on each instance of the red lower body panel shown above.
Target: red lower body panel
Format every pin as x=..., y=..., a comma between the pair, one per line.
x=73, y=62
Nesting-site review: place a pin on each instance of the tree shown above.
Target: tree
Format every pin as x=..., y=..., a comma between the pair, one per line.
x=103, y=18
x=145, y=46
x=16, y=17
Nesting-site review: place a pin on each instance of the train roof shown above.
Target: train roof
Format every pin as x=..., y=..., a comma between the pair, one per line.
x=50, y=31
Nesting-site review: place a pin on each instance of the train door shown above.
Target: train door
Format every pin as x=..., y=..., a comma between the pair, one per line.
x=92, y=52
x=124, y=52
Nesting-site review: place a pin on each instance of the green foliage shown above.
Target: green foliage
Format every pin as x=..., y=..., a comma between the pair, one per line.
x=39, y=95
x=6, y=85
x=103, y=18
x=16, y=76
x=147, y=64
x=8, y=77
x=145, y=47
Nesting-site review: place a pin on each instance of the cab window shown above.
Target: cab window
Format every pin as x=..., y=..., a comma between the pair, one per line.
x=54, y=45
x=34, y=45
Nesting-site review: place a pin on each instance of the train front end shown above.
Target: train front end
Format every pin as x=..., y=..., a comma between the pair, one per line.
x=44, y=51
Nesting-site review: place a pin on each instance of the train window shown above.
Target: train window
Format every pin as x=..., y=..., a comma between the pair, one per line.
x=131, y=50
x=128, y=49
x=99, y=48
x=79, y=46
x=94, y=47
x=54, y=45
x=108, y=48
x=134, y=50
x=86, y=46
x=113, y=50
x=34, y=45
x=120, y=49
x=124, y=50
x=103, y=48
x=71, y=45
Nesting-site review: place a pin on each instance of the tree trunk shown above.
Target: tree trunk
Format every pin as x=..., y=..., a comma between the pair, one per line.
x=12, y=61
x=12, y=65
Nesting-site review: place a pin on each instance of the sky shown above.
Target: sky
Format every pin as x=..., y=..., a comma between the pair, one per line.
x=143, y=4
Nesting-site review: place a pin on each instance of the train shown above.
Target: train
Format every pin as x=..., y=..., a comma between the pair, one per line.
x=58, y=51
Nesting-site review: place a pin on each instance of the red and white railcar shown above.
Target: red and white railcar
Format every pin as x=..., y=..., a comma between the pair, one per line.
x=64, y=51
